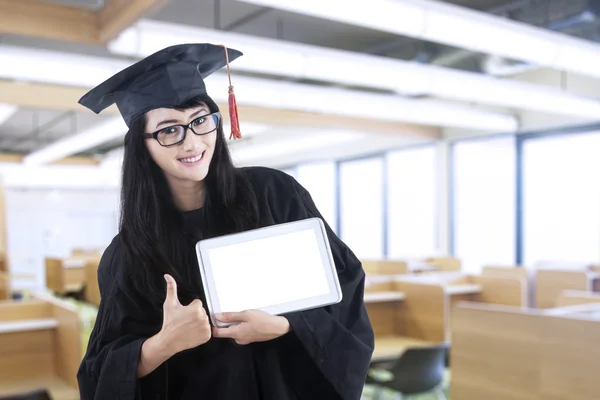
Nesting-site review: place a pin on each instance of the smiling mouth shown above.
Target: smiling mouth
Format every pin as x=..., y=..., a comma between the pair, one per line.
x=193, y=159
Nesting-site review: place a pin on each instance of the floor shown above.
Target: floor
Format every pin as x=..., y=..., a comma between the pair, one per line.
x=390, y=395
x=369, y=392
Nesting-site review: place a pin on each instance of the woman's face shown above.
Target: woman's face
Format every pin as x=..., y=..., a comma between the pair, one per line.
x=190, y=159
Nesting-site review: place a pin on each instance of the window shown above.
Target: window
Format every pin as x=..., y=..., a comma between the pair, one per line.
x=63, y=220
x=561, y=199
x=412, y=202
x=483, y=199
x=361, y=207
x=320, y=180
x=290, y=171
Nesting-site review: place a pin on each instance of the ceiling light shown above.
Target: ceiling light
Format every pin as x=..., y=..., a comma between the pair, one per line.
x=318, y=63
x=454, y=25
x=111, y=129
x=290, y=96
x=7, y=111
x=56, y=67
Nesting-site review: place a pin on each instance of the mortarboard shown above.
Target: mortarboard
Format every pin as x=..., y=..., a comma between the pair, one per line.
x=166, y=78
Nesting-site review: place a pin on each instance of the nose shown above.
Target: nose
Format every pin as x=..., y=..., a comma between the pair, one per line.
x=192, y=142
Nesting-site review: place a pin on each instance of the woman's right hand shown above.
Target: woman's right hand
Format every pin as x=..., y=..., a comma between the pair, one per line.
x=184, y=327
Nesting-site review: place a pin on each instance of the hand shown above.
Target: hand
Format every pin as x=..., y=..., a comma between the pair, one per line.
x=252, y=326
x=184, y=327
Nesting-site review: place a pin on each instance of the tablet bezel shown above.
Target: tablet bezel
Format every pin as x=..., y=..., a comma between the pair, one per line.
x=315, y=224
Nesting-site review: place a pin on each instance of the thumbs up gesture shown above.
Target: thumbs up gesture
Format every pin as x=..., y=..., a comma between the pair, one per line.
x=184, y=327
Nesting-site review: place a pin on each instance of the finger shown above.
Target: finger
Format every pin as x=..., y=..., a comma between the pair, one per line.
x=233, y=316
x=197, y=304
x=171, y=298
x=231, y=332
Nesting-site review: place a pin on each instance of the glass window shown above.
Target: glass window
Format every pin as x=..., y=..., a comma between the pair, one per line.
x=65, y=219
x=361, y=207
x=290, y=171
x=561, y=199
x=483, y=199
x=320, y=180
x=412, y=202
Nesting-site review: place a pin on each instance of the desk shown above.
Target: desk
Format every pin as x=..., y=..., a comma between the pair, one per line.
x=378, y=283
x=393, y=346
x=383, y=297
x=28, y=325
x=462, y=292
x=40, y=346
x=57, y=388
x=550, y=283
x=465, y=288
x=516, y=353
x=65, y=275
x=385, y=311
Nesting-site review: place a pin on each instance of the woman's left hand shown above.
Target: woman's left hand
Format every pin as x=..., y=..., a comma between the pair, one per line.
x=251, y=326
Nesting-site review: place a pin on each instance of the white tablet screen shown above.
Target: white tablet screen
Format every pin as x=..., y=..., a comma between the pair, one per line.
x=269, y=271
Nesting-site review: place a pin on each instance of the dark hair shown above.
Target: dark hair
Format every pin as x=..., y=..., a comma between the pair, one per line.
x=151, y=227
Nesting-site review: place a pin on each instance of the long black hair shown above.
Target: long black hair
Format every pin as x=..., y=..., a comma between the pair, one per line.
x=152, y=228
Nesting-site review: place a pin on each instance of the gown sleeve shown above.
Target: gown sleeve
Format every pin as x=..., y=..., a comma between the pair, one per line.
x=109, y=367
x=339, y=338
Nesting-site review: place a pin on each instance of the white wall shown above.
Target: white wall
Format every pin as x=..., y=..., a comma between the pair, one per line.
x=51, y=210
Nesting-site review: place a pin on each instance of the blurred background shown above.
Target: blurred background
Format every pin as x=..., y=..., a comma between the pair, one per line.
x=447, y=141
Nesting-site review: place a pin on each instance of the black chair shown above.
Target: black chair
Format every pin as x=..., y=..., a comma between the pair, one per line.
x=418, y=370
x=31, y=395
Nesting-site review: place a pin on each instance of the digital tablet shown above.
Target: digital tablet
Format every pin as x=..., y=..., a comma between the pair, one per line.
x=278, y=269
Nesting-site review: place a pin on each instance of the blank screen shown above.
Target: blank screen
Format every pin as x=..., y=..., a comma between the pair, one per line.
x=269, y=271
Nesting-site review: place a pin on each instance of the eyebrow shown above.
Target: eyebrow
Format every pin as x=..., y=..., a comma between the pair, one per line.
x=174, y=121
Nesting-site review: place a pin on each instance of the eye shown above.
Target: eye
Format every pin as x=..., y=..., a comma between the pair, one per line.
x=168, y=131
x=198, y=121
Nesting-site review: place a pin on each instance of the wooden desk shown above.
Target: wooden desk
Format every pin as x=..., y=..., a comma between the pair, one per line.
x=550, y=283
x=383, y=297
x=379, y=283
x=465, y=288
x=393, y=346
x=40, y=347
x=384, y=267
x=28, y=325
x=4, y=285
x=385, y=311
x=576, y=297
x=57, y=388
x=514, y=353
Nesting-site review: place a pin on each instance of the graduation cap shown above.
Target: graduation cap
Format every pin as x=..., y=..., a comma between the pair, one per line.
x=166, y=78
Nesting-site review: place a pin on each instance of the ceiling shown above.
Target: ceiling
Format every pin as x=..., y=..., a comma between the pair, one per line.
x=32, y=129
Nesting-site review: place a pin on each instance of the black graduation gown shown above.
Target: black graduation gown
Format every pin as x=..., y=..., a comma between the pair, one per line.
x=325, y=356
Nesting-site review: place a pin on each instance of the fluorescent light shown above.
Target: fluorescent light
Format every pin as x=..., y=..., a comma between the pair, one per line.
x=7, y=111
x=453, y=25
x=343, y=102
x=111, y=129
x=255, y=153
x=56, y=67
x=302, y=97
x=318, y=63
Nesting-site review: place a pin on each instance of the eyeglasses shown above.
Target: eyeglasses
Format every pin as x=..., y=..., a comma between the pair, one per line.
x=175, y=134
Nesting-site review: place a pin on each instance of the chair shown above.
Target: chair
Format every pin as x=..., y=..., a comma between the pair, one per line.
x=418, y=370
x=32, y=395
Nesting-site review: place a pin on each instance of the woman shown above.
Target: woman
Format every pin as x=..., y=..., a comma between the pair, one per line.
x=152, y=338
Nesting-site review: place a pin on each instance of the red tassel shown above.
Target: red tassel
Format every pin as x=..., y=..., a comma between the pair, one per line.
x=234, y=119
x=233, y=116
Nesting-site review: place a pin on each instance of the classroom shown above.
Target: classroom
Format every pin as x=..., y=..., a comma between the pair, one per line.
x=451, y=147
